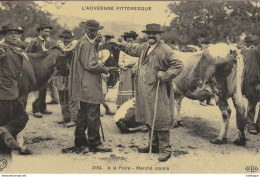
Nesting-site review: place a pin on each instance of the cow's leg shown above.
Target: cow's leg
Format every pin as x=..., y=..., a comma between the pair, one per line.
x=226, y=112
x=220, y=90
x=240, y=120
x=178, y=119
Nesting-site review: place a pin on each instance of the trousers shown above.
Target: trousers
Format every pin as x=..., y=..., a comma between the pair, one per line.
x=14, y=118
x=88, y=119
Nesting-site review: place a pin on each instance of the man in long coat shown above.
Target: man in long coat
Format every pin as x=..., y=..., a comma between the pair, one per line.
x=86, y=88
x=13, y=61
x=156, y=61
x=251, y=87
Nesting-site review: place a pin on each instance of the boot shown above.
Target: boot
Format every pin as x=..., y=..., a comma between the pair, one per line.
x=100, y=148
x=252, y=129
x=8, y=139
x=202, y=103
x=46, y=112
x=164, y=156
x=258, y=127
x=146, y=149
x=37, y=115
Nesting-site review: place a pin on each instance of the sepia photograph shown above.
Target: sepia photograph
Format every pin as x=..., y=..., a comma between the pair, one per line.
x=129, y=87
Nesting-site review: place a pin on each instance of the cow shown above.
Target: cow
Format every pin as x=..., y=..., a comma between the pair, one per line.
x=43, y=66
x=216, y=70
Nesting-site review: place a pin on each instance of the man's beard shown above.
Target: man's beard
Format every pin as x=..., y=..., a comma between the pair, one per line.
x=92, y=36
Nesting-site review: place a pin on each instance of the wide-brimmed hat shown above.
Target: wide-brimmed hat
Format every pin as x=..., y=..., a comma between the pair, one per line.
x=92, y=24
x=132, y=34
x=67, y=34
x=44, y=25
x=153, y=28
x=11, y=27
x=109, y=36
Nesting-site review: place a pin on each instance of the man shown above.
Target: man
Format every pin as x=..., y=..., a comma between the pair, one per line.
x=66, y=45
x=156, y=62
x=105, y=77
x=251, y=87
x=13, y=117
x=112, y=61
x=86, y=88
x=38, y=45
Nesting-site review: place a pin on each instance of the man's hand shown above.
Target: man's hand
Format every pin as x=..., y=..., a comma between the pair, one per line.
x=2, y=53
x=163, y=76
x=160, y=75
x=113, y=69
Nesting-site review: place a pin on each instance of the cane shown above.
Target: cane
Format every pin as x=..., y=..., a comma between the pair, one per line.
x=64, y=99
x=154, y=117
x=102, y=131
x=257, y=111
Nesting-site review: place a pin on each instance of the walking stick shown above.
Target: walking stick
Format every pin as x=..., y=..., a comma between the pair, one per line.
x=257, y=111
x=64, y=99
x=154, y=117
x=103, y=136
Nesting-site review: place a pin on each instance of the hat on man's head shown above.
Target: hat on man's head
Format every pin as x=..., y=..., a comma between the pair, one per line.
x=92, y=24
x=11, y=27
x=44, y=25
x=132, y=34
x=67, y=34
x=156, y=28
x=109, y=36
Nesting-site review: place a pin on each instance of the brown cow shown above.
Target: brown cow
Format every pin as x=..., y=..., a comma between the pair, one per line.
x=44, y=66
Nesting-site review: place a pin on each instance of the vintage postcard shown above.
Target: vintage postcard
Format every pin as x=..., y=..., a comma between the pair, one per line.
x=84, y=85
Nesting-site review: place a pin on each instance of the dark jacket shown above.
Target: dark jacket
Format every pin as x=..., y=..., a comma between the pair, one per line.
x=11, y=63
x=252, y=74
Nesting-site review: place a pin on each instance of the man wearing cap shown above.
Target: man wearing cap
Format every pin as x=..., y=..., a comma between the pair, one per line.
x=38, y=45
x=156, y=62
x=67, y=45
x=13, y=117
x=86, y=88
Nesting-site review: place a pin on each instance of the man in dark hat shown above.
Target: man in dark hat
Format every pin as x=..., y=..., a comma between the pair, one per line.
x=13, y=117
x=112, y=61
x=67, y=45
x=86, y=88
x=38, y=45
x=156, y=62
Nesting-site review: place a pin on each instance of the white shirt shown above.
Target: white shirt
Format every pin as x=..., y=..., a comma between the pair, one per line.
x=90, y=40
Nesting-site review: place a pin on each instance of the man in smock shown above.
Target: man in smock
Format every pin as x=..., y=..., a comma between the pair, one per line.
x=156, y=62
x=86, y=89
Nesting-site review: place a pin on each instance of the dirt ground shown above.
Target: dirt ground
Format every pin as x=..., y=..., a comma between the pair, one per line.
x=192, y=151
